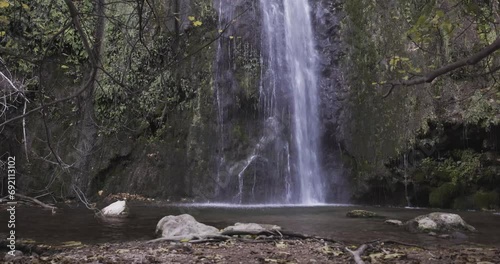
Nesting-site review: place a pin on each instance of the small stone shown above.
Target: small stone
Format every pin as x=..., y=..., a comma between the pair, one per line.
x=459, y=235
x=393, y=222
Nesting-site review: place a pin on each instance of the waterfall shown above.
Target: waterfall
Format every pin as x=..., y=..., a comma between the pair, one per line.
x=292, y=67
x=287, y=146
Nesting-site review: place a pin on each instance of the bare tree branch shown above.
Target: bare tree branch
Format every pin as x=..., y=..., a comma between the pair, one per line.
x=430, y=76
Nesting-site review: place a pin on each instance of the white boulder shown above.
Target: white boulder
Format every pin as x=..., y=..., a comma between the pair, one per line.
x=116, y=209
x=250, y=228
x=184, y=227
x=438, y=222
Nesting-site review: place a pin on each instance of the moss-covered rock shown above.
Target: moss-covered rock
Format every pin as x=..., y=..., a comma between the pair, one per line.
x=438, y=222
x=362, y=214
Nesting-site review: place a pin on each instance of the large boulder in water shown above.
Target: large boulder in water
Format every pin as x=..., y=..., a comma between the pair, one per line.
x=184, y=227
x=438, y=222
x=116, y=209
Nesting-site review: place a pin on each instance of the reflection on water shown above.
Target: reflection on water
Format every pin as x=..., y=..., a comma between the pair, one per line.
x=327, y=220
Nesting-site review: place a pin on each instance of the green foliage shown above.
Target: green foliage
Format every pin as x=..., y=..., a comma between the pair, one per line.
x=428, y=25
x=195, y=22
x=443, y=196
x=457, y=179
x=463, y=167
x=32, y=29
x=147, y=76
x=486, y=200
x=482, y=111
x=463, y=203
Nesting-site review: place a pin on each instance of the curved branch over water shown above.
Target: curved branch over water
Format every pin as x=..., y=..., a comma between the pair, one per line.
x=430, y=76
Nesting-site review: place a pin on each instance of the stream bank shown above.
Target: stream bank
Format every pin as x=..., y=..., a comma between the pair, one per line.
x=286, y=251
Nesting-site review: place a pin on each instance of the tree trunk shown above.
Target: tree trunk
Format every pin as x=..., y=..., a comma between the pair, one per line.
x=87, y=129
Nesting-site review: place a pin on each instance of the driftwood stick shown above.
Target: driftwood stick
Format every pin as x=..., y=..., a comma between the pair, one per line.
x=389, y=241
x=161, y=239
x=36, y=201
x=198, y=240
x=205, y=240
x=357, y=254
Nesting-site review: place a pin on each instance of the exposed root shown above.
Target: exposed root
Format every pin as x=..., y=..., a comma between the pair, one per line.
x=193, y=240
x=305, y=236
x=388, y=241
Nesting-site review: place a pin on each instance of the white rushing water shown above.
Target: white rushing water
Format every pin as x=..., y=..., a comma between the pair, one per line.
x=281, y=165
x=292, y=66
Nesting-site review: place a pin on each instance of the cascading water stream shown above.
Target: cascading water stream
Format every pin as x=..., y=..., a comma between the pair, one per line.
x=288, y=107
x=292, y=62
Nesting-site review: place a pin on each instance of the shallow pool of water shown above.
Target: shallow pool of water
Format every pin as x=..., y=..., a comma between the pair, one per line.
x=323, y=220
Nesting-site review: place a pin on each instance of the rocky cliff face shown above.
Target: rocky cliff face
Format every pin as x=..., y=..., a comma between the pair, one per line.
x=334, y=93
x=188, y=118
x=390, y=144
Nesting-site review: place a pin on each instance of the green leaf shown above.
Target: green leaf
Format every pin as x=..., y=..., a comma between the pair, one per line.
x=197, y=23
x=191, y=18
x=447, y=26
x=439, y=14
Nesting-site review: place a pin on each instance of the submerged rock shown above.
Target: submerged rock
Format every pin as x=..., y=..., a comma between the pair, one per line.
x=249, y=228
x=116, y=209
x=184, y=227
x=362, y=214
x=438, y=222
